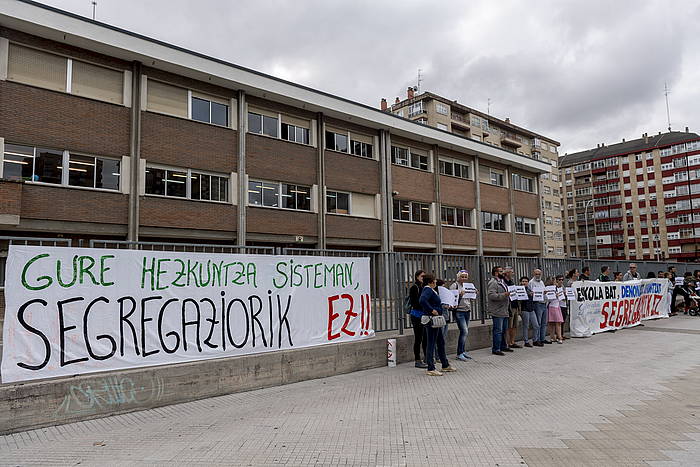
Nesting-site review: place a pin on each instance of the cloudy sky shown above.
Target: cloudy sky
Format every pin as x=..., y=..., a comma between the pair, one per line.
x=581, y=72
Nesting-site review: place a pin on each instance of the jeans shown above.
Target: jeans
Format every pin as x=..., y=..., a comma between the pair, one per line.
x=435, y=339
x=541, y=314
x=419, y=338
x=462, y=318
x=499, y=333
x=530, y=317
x=565, y=315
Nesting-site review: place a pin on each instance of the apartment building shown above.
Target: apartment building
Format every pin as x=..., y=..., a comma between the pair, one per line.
x=108, y=134
x=635, y=199
x=447, y=115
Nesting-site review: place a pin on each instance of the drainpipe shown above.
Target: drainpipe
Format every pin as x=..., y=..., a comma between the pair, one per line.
x=135, y=152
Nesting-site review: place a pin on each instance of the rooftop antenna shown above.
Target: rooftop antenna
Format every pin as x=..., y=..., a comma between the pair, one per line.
x=94, y=7
x=420, y=80
x=668, y=112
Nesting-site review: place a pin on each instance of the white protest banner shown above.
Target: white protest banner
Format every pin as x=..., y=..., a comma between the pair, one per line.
x=513, y=289
x=602, y=306
x=76, y=310
x=550, y=292
x=469, y=290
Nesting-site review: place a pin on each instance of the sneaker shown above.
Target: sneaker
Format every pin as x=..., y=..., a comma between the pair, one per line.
x=527, y=344
x=559, y=341
x=462, y=358
x=449, y=369
x=546, y=342
x=515, y=346
x=507, y=350
x=420, y=364
x=501, y=354
x=466, y=355
x=433, y=373
x=538, y=344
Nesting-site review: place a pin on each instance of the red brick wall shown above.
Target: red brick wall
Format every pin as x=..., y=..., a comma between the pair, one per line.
x=184, y=214
x=495, y=199
x=10, y=197
x=277, y=160
x=352, y=173
x=527, y=242
x=412, y=184
x=497, y=240
x=186, y=143
x=66, y=204
x=40, y=117
x=353, y=227
x=279, y=221
x=526, y=205
x=416, y=233
x=457, y=236
x=457, y=192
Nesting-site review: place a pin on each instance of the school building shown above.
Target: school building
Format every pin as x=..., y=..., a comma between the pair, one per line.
x=107, y=134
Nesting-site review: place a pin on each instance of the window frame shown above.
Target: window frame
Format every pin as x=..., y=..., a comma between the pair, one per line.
x=280, y=190
x=498, y=173
x=188, y=183
x=336, y=193
x=525, y=221
x=504, y=220
x=469, y=166
x=455, y=211
x=410, y=159
x=410, y=211
x=192, y=95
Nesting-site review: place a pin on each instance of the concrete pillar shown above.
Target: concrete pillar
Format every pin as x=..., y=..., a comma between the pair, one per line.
x=241, y=227
x=540, y=210
x=438, y=224
x=388, y=200
x=321, y=181
x=135, y=153
x=477, y=194
x=511, y=194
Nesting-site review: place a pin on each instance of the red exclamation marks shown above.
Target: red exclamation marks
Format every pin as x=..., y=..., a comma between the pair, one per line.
x=366, y=314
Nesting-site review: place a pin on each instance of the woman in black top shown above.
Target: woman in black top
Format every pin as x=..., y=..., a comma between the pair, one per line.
x=419, y=339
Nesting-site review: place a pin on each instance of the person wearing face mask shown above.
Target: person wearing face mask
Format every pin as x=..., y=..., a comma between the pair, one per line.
x=462, y=314
x=536, y=283
x=497, y=304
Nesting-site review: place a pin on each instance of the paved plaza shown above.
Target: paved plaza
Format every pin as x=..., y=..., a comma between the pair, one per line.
x=628, y=398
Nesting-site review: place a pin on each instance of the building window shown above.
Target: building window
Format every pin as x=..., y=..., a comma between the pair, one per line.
x=279, y=195
x=456, y=217
x=493, y=221
x=26, y=163
x=403, y=156
x=360, y=148
x=523, y=183
x=208, y=111
x=262, y=124
x=93, y=172
x=336, y=141
x=525, y=225
x=166, y=182
x=207, y=187
x=455, y=169
x=411, y=211
x=49, y=71
x=415, y=109
x=337, y=202
x=442, y=109
x=496, y=177
x=295, y=134
x=186, y=183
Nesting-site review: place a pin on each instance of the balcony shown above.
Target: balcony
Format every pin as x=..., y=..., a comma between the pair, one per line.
x=510, y=141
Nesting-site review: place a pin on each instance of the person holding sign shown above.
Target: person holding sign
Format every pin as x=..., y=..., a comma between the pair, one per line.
x=497, y=303
x=432, y=306
x=554, y=316
x=462, y=312
x=527, y=311
x=537, y=288
x=514, y=312
x=419, y=340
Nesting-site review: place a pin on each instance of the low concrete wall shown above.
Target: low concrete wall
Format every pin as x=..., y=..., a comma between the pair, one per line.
x=56, y=401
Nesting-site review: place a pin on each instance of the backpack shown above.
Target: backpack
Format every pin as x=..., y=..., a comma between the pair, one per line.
x=407, y=306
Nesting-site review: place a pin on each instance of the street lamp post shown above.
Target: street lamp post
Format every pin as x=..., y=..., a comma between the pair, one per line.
x=585, y=219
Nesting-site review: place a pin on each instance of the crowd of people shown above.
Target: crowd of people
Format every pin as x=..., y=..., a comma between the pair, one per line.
x=542, y=317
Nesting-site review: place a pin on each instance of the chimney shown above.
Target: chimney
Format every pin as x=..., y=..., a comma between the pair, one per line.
x=397, y=101
x=383, y=104
x=623, y=140
x=686, y=130
x=410, y=92
x=507, y=119
x=646, y=139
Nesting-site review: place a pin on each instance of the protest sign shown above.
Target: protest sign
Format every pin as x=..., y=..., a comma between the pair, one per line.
x=570, y=293
x=447, y=297
x=74, y=310
x=560, y=294
x=513, y=289
x=550, y=292
x=602, y=306
x=469, y=290
x=679, y=280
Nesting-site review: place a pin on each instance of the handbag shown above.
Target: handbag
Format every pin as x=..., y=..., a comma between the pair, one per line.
x=438, y=321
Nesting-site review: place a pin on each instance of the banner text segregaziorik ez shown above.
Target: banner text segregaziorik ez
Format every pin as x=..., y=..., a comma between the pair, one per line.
x=76, y=310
